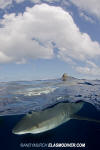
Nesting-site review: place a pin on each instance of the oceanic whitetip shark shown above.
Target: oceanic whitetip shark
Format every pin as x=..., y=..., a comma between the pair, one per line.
x=45, y=120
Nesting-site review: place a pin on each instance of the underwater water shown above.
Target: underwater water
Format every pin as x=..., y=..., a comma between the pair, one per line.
x=17, y=98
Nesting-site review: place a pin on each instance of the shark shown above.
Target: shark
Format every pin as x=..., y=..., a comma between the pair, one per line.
x=50, y=118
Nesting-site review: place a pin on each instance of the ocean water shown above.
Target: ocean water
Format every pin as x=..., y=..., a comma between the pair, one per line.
x=17, y=98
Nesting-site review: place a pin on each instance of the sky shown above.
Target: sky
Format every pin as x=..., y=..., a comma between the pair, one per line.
x=42, y=39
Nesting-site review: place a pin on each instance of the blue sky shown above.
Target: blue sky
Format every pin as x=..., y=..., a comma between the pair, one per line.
x=42, y=39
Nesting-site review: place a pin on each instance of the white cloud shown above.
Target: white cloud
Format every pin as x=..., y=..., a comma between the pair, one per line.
x=91, y=69
x=86, y=17
x=5, y=3
x=50, y=1
x=4, y=58
x=36, y=1
x=19, y=1
x=62, y=2
x=30, y=36
x=90, y=6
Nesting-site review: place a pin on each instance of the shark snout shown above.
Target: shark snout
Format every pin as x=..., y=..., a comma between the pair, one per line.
x=17, y=131
x=22, y=129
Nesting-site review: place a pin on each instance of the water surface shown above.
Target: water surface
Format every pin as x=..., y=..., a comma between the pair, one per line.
x=18, y=98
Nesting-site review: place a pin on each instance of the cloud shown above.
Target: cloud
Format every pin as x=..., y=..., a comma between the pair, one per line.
x=36, y=1
x=19, y=1
x=90, y=6
x=86, y=17
x=90, y=70
x=5, y=3
x=31, y=35
x=63, y=3
x=4, y=58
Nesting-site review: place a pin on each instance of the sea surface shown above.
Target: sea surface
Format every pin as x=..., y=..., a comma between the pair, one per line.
x=17, y=98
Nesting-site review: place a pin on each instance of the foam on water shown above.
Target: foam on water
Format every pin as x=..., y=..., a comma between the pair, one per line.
x=37, y=91
x=23, y=96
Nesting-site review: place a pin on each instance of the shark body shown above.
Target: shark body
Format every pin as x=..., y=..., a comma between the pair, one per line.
x=39, y=122
x=48, y=119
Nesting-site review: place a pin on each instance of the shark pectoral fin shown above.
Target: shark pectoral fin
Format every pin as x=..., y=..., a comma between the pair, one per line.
x=77, y=117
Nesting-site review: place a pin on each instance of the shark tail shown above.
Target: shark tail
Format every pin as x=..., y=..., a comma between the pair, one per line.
x=85, y=118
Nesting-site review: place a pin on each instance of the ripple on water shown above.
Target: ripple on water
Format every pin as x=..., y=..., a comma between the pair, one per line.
x=21, y=97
